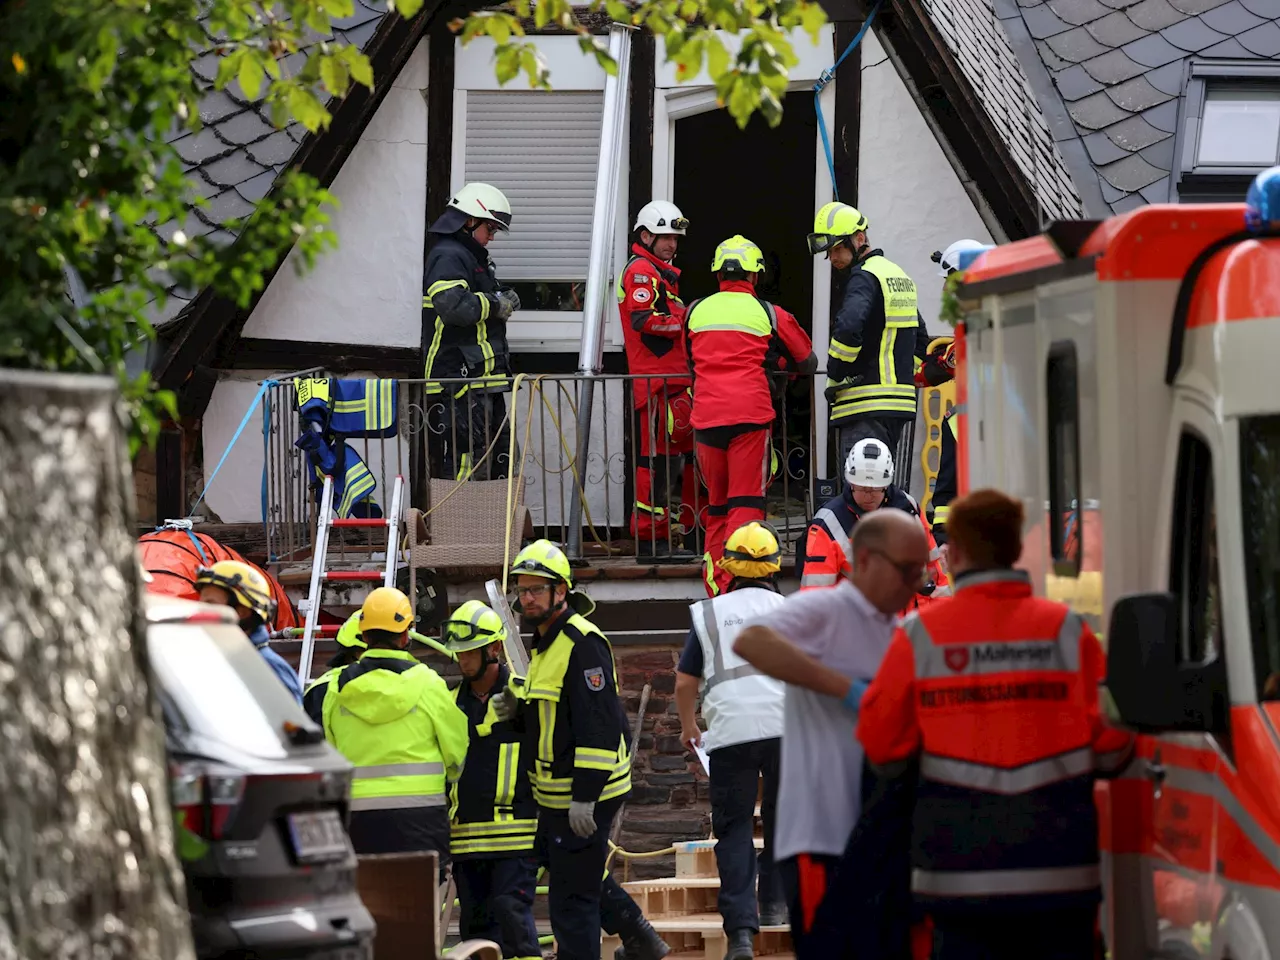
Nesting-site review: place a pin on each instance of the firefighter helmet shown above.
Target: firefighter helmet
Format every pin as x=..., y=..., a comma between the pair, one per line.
x=246, y=585
x=949, y=260
x=386, y=609
x=484, y=202
x=738, y=254
x=835, y=223
x=542, y=558
x=349, y=633
x=752, y=552
x=471, y=626
x=662, y=217
x=869, y=464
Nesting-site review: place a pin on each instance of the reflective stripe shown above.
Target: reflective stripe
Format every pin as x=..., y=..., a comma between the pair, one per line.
x=655, y=511
x=940, y=514
x=505, y=793
x=439, y=287
x=989, y=779
x=932, y=661
x=546, y=730
x=492, y=844
x=490, y=829
x=398, y=803
x=888, y=369
x=733, y=312
x=819, y=579
x=398, y=770
x=719, y=674
x=878, y=404
x=942, y=590
x=826, y=516
x=1115, y=760
x=433, y=350
x=842, y=351
x=876, y=390
x=988, y=883
x=593, y=758
x=935, y=554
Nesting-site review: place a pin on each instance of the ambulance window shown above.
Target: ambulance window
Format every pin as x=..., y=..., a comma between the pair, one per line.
x=1193, y=578
x=1064, y=459
x=1260, y=506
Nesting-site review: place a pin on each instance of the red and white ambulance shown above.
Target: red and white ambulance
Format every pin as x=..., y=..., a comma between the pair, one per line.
x=1122, y=377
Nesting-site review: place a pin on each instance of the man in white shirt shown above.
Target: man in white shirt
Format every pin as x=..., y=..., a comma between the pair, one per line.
x=826, y=645
x=743, y=710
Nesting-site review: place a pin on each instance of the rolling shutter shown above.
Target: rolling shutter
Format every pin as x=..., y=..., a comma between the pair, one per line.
x=541, y=149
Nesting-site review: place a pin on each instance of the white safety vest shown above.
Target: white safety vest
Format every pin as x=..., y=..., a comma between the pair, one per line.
x=739, y=702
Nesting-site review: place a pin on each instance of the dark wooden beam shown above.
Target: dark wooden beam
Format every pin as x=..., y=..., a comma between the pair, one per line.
x=251, y=353
x=643, y=71
x=847, y=128
x=170, y=501
x=441, y=67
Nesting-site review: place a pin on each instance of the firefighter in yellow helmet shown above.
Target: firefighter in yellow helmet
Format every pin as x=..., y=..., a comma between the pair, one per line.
x=350, y=645
x=876, y=337
x=736, y=343
x=575, y=729
x=235, y=584
x=743, y=711
x=395, y=720
x=495, y=818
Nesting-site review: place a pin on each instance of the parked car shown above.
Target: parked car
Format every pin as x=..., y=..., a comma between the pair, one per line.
x=260, y=798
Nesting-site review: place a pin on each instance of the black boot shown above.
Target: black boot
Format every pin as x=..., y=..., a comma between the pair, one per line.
x=773, y=915
x=649, y=551
x=741, y=945
x=641, y=942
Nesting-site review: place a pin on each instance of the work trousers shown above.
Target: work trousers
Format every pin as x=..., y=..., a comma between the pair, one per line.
x=666, y=487
x=735, y=776
x=461, y=429
x=495, y=902
x=1049, y=935
x=806, y=878
x=891, y=431
x=404, y=830
x=734, y=462
x=575, y=868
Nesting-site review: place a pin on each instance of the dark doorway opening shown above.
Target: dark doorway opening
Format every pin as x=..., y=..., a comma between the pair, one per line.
x=758, y=182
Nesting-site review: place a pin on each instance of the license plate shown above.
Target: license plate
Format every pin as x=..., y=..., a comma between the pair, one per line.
x=318, y=835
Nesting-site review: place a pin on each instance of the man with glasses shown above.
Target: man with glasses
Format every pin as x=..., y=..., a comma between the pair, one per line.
x=828, y=552
x=826, y=645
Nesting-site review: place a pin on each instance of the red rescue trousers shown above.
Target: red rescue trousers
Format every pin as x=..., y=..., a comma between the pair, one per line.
x=734, y=462
x=666, y=485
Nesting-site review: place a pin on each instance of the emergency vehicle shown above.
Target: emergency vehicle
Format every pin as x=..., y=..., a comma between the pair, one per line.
x=1121, y=378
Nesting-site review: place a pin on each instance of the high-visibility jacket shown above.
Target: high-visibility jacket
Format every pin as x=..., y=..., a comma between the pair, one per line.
x=652, y=324
x=944, y=488
x=572, y=717
x=739, y=702
x=828, y=545
x=877, y=335
x=735, y=340
x=395, y=720
x=997, y=691
x=462, y=335
x=492, y=811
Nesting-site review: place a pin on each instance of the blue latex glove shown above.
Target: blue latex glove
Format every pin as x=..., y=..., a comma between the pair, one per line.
x=853, y=699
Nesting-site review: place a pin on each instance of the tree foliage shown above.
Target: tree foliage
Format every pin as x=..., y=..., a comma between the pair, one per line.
x=90, y=187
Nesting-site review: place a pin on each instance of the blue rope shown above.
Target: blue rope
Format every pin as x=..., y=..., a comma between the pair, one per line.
x=262, y=392
x=827, y=76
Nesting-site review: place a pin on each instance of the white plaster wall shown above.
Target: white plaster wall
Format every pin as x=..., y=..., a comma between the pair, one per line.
x=906, y=188
x=368, y=290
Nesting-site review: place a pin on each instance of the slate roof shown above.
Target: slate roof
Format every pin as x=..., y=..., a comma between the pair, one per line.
x=977, y=41
x=234, y=158
x=1109, y=75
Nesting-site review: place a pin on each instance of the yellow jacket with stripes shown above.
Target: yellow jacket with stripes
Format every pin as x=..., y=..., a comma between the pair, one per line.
x=462, y=335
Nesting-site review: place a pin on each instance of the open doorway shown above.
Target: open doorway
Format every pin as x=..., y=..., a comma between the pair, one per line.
x=759, y=182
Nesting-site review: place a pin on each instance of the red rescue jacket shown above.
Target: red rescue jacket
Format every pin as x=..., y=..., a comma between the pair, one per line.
x=652, y=323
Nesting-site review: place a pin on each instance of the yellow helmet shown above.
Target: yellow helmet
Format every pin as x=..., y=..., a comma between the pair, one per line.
x=473, y=625
x=740, y=253
x=349, y=633
x=542, y=558
x=834, y=223
x=386, y=609
x=752, y=552
x=246, y=584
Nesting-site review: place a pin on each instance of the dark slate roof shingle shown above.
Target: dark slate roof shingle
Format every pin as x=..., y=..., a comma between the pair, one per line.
x=1114, y=66
x=1135, y=133
x=1152, y=51
x=1115, y=30
x=1263, y=40
x=1136, y=94
x=1192, y=35
x=1231, y=19
x=1079, y=12
x=1076, y=45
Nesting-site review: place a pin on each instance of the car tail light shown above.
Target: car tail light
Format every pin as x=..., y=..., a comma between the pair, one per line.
x=205, y=796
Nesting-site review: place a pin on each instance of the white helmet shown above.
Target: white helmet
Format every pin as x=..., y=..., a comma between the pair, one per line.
x=484, y=202
x=950, y=259
x=869, y=464
x=661, y=217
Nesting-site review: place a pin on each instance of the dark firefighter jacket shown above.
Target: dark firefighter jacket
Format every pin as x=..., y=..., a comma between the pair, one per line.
x=462, y=335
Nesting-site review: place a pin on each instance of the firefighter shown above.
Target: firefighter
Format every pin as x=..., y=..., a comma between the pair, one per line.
x=575, y=732
x=350, y=643
x=995, y=691
x=494, y=817
x=743, y=710
x=464, y=330
x=875, y=338
x=736, y=341
x=395, y=720
x=828, y=551
x=235, y=584
x=938, y=368
x=653, y=330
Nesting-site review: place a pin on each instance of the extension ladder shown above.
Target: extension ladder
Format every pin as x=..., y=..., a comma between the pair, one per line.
x=319, y=562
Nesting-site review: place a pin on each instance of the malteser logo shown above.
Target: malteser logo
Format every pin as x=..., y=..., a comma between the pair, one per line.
x=1014, y=655
x=957, y=658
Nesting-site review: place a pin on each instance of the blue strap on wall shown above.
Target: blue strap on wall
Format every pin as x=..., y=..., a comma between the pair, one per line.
x=262, y=392
x=827, y=76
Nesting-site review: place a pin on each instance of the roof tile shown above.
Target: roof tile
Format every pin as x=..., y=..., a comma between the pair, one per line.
x=1110, y=193
x=1096, y=112
x=1113, y=66
x=1167, y=79
x=200, y=147
x=1231, y=18
x=1073, y=83
x=1264, y=40
x=1153, y=51
x=1192, y=35
x=1136, y=94
x=1160, y=153
x=1267, y=9
x=216, y=106
x=227, y=205
x=275, y=150
x=1229, y=47
x=235, y=167
x=1134, y=134
x=1042, y=22
x=1153, y=14
x=1049, y=58
x=1132, y=201
x=1193, y=7
x=360, y=35
x=1004, y=9
x=244, y=128
x=258, y=187
x=1131, y=173
x=1076, y=45
x=1102, y=150
x=1079, y=12
x=1163, y=117
x=1115, y=30
x=206, y=66
x=1120, y=4
x=1157, y=192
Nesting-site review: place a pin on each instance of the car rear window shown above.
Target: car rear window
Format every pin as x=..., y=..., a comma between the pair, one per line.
x=215, y=684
